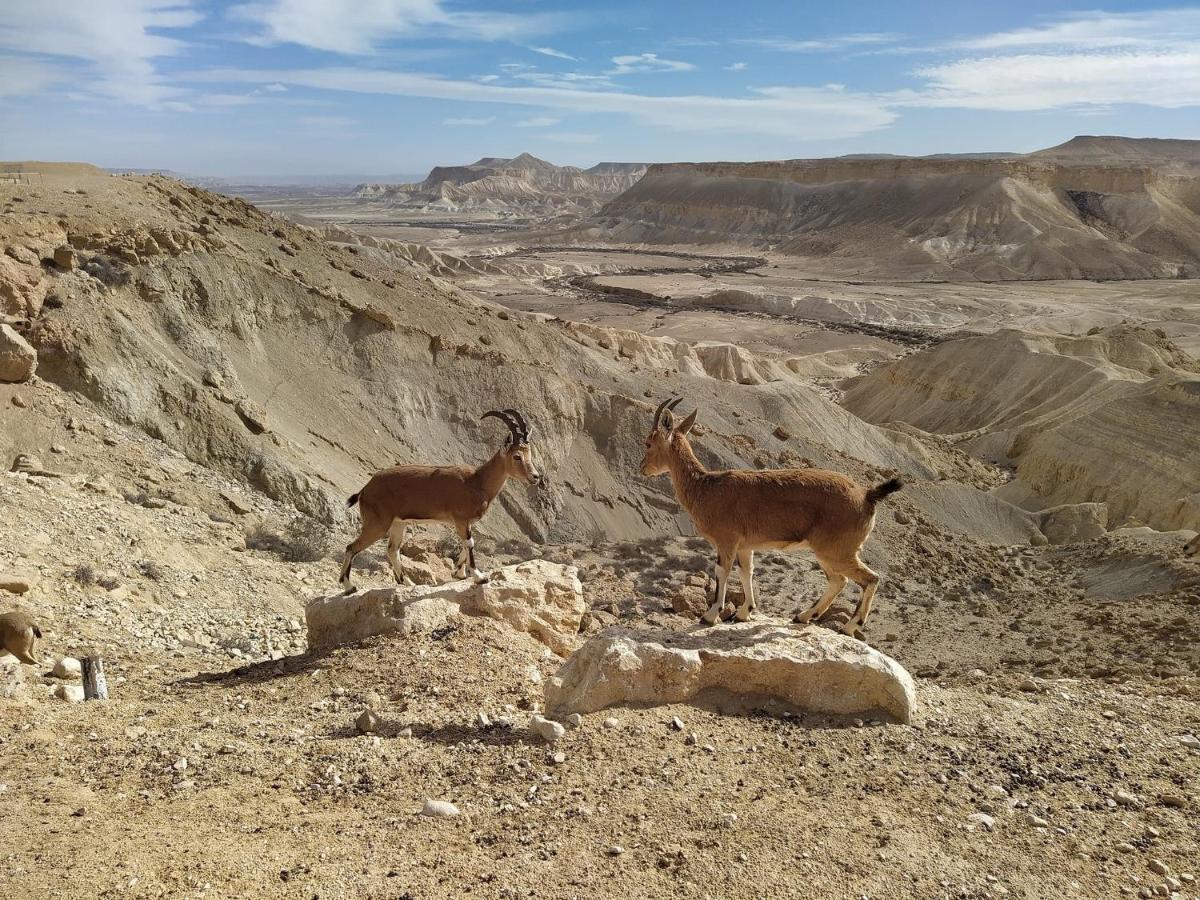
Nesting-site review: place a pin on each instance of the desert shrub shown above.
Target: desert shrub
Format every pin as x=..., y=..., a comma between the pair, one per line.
x=137, y=497
x=108, y=271
x=108, y=582
x=152, y=570
x=84, y=574
x=303, y=540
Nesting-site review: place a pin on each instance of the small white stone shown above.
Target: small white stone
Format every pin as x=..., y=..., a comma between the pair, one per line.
x=612, y=723
x=549, y=730
x=1158, y=867
x=677, y=723
x=729, y=820
x=439, y=809
x=615, y=850
x=367, y=722
x=1190, y=741
x=983, y=820
x=180, y=765
x=72, y=693
x=558, y=758
x=67, y=667
x=574, y=720
x=1038, y=821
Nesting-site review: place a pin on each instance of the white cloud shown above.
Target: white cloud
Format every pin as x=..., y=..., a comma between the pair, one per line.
x=326, y=121
x=647, y=62
x=275, y=88
x=114, y=42
x=361, y=26
x=1168, y=79
x=538, y=122
x=557, y=54
x=1098, y=31
x=571, y=137
x=23, y=76
x=736, y=67
x=466, y=120
x=818, y=45
x=794, y=113
x=487, y=78
x=566, y=80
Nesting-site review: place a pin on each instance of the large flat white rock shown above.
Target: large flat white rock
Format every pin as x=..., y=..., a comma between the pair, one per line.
x=808, y=669
x=539, y=598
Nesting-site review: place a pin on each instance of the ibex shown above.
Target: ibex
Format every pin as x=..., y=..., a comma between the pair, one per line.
x=18, y=632
x=739, y=511
x=456, y=495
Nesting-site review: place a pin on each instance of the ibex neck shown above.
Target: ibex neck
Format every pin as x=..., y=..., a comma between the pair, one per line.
x=491, y=475
x=686, y=471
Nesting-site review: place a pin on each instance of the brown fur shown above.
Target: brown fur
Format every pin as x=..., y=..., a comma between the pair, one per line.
x=18, y=634
x=740, y=511
x=456, y=495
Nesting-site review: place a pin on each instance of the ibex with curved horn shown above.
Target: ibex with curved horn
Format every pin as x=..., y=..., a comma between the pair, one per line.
x=456, y=495
x=742, y=510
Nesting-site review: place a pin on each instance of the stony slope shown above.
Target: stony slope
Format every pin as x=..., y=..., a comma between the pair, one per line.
x=1049, y=215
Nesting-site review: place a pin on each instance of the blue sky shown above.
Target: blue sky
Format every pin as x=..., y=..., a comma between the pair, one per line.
x=395, y=86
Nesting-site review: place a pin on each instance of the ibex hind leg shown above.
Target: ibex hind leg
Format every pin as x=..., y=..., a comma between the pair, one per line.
x=837, y=581
x=369, y=535
x=868, y=581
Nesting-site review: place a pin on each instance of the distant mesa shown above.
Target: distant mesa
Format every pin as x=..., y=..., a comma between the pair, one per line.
x=1093, y=207
x=521, y=185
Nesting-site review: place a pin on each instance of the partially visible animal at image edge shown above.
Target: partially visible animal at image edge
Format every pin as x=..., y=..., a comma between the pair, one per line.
x=455, y=495
x=1192, y=547
x=18, y=633
x=740, y=511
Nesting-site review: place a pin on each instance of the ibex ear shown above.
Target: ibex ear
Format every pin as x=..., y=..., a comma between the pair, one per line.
x=686, y=425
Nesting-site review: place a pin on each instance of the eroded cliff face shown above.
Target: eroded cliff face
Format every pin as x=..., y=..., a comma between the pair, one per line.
x=1108, y=417
x=523, y=184
x=1026, y=217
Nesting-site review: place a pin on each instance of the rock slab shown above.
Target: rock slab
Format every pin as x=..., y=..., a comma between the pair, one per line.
x=808, y=669
x=18, y=360
x=540, y=598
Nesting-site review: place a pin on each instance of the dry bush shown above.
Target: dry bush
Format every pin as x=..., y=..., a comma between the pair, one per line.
x=108, y=271
x=152, y=570
x=303, y=540
x=84, y=575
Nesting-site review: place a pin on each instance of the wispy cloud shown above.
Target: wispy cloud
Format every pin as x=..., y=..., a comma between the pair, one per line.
x=1097, y=31
x=797, y=113
x=468, y=120
x=647, y=62
x=1094, y=59
x=538, y=122
x=557, y=54
x=326, y=121
x=1167, y=79
x=735, y=67
x=360, y=27
x=117, y=44
x=819, y=45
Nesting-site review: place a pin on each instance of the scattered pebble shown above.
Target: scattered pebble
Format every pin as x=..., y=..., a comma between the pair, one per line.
x=983, y=820
x=439, y=809
x=549, y=730
x=1158, y=867
x=367, y=722
x=67, y=667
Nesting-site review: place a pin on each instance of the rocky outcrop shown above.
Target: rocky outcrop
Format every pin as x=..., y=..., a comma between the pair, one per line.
x=522, y=184
x=539, y=598
x=1074, y=522
x=809, y=670
x=18, y=360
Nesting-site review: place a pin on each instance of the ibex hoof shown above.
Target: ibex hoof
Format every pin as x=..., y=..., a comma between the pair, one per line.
x=705, y=621
x=738, y=617
x=483, y=579
x=852, y=628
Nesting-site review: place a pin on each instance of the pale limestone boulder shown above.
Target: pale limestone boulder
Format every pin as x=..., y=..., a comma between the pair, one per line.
x=807, y=669
x=13, y=685
x=540, y=598
x=18, y=360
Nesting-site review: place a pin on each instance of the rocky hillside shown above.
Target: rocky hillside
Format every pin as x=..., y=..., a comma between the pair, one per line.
x=261, y=349
x=1116, y=208
x=1106, y=418
x=524, y=184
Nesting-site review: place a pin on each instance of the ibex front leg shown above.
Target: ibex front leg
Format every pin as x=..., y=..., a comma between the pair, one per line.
x=724, y=564
x=468, y=556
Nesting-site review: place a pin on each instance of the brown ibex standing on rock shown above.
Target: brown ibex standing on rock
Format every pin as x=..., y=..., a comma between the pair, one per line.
x=456, y=495
x=739, y=511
